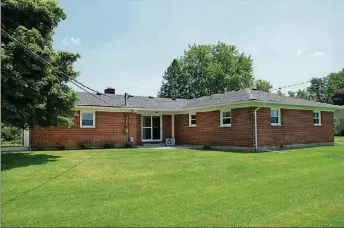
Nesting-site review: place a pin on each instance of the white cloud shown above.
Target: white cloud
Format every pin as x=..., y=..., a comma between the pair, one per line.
x=142, y=53
x=317, y=54
x=75, y=40
x=71, y=41
x=299, y=52
x=141, y=87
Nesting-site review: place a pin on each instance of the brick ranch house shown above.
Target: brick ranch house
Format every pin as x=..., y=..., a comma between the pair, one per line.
x=244, y=119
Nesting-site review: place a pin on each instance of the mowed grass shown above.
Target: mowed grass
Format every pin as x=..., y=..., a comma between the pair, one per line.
x=174, y=187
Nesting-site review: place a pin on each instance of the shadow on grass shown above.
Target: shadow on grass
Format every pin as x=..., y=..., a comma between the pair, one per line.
x=17, y=160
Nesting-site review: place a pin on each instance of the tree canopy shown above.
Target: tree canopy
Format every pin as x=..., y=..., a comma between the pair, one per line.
x=338, y=97
x=317, y=90
x=301, y=93
x=324, y=89
x=335, y=81
x=262, y=85
x=207, y=69
x=33, y=93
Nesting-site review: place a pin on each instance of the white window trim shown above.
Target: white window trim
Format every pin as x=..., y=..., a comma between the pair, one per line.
x=94, y=119
x=319, y=124
x=221, y=118
x=279, y=117
x=192, y=125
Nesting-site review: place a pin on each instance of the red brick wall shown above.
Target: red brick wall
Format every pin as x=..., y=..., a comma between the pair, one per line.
x=109, y=128
x=209, y=132
x=166, y=127
x=296, y=128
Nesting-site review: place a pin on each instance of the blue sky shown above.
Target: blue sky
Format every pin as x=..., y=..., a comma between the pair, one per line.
x=129, y=44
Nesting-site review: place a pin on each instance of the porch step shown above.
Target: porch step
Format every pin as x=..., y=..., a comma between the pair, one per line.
x=152, y=145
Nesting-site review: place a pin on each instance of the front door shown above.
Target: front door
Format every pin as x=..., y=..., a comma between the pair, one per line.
x=151, y=128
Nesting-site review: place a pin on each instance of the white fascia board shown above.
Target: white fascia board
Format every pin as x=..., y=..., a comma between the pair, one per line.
x=270, y=104
x=242, y=104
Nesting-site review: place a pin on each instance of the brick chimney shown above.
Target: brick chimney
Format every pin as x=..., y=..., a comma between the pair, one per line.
x=109, y=91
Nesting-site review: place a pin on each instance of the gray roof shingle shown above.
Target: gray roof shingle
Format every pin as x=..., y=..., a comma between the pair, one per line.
x=112, y=100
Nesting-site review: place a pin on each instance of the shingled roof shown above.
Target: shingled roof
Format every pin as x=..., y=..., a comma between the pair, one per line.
x=154, y=103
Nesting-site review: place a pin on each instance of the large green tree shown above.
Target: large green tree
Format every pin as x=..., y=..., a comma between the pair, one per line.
x=207, y=69
x=173, y=84
x=301, y=93
x=323, y=89
x=33, y=93
x=338, y=97
x=335, y=81
x=262, y=85
x=317, y=90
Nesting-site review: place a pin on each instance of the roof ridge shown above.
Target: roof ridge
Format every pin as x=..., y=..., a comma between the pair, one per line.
x=229, y=97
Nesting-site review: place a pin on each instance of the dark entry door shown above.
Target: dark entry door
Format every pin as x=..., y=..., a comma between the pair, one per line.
x=156, y=127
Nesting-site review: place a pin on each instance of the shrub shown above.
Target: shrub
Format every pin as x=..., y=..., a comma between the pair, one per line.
x=38, y=147
x=337, y=127
x=129, y=145
x=108, y=145
x=85, y=145
x=206, y=147
x=342, y=133
x=10, y=134
x=61, y=147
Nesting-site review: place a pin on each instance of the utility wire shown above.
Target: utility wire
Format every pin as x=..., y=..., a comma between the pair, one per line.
x=80, y=85
x=75, y=82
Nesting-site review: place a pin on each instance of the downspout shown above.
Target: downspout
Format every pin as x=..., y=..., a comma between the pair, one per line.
x=256, y=127
x=126, y=130
x=128, y=127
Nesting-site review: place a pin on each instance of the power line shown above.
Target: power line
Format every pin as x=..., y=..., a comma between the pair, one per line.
x=85, y=86
x=75, y=82
x=279, y=88
x=80, y=85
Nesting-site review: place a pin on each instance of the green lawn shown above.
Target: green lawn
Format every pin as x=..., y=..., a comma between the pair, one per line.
x=151, y=187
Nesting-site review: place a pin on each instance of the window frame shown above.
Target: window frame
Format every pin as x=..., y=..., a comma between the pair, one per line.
x=279, y=116
x=221, y=118
x=94, y=119
x=319, y=117
x=190, y=119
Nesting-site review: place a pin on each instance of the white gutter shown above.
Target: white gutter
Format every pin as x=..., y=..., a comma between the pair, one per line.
x=250, y=103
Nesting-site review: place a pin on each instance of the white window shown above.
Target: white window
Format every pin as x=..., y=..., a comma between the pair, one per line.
x=192, y=119
x=225, y=118
x=275, y=116
x=317, y=118
x=87, y=120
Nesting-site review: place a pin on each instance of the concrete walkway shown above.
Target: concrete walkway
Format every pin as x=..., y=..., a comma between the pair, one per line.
x=14, y=149
x=162, y=146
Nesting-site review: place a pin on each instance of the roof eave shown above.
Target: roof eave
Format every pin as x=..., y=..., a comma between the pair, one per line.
x=241, y=104
x=324, y=107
